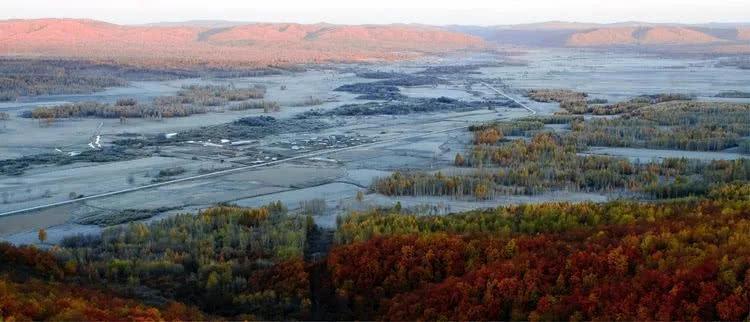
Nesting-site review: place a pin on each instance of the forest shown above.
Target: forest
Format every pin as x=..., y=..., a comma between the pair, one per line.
x=681, y=260
x=36, y=286
x=33, y=77
x=686, y=259
x=230, y=261
x=527, y=157
x=545, y=164
x=243, y=263
x=189, y=100
x=696, y=126
x=578, y=103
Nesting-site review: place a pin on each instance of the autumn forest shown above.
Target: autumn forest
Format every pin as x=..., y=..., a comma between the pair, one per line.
x=195, y=161
x=623, y=260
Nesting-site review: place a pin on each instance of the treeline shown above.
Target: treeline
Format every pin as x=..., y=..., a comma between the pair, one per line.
x=682, y=178
x=548, y=162
x=235, y=262
x=544, y=161
x=549, y=217
x=13, y=86
x=696, y=126
x=266, y=106
x=215, y=95
x=32, y=77
x=683, y=125
x=188, y=101
x=101, y=110
x=636, y=103
x=577, y=103
x=438, y=184
x=25, y=77
x=685, y=260
x=521, y=127
x=571, y=101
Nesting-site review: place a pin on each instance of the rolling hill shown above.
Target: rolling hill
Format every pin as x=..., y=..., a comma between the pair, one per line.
x=684, y=38
x=603, y=37
x=254, y=44
x=661, y=35
x=217, y=43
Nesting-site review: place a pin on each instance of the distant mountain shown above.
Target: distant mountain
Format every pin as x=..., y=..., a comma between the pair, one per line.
x=603, y=37
x=640, y=36
x=198, y=23
x=222, y=43
x=722, y=37
x=228, y=43
x=565, y=25
x=743, y=33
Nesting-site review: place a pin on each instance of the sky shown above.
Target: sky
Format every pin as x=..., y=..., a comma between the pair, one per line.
x=434, y=12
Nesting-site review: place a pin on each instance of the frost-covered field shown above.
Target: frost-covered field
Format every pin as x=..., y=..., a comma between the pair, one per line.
x=334, y=177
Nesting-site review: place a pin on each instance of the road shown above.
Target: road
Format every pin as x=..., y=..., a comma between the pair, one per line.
x=230, y=171
x=533, y=112
x=254, y=166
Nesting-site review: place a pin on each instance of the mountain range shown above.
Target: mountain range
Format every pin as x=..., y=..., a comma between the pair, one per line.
x=696, y=38
x=222, y=43
x=229, y=44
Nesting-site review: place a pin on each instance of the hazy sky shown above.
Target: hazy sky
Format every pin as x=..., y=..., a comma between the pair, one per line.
x=476, y=12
